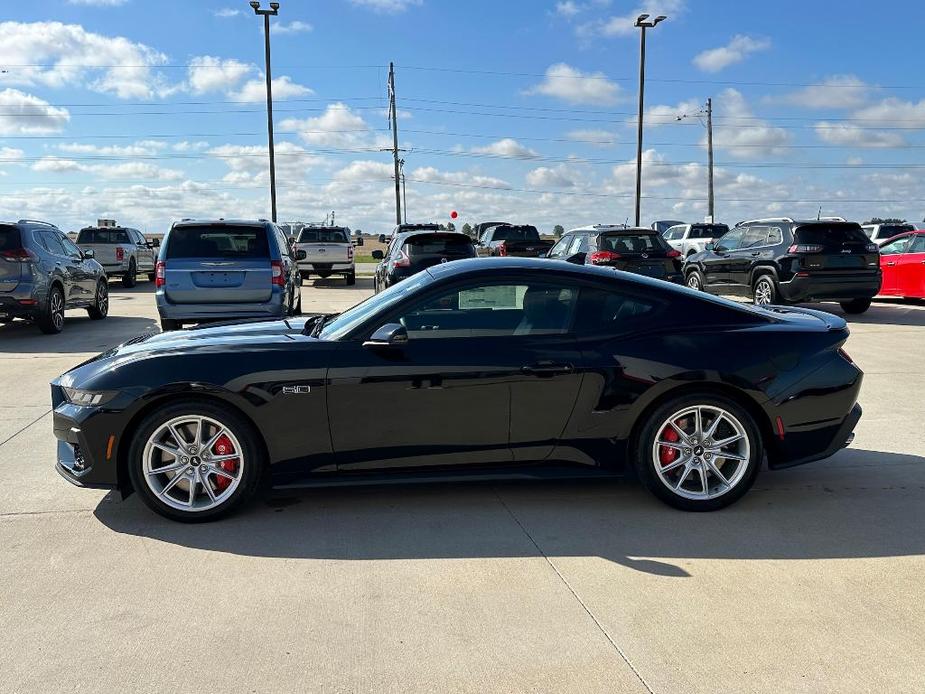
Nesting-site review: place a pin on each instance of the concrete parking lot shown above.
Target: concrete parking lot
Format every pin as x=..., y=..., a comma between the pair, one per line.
x=812, y=583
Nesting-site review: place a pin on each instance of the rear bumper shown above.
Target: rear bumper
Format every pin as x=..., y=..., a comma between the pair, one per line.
x=326, y=267
x=274, y=308
x=11, y=302
x=815, y=287
x=839, y=437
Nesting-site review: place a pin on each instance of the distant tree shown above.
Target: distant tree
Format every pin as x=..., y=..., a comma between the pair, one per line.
x=888, y=220
x=467, y=229
x=558, y=231
x=357, y=232
x=450, y=226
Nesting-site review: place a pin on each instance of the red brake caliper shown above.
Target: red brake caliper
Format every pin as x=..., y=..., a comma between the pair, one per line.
x=666, y=454
x=223, y=446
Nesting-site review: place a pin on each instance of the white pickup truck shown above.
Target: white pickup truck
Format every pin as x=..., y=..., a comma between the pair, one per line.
x=122, y=252
x=688, y=239
x=328, y=251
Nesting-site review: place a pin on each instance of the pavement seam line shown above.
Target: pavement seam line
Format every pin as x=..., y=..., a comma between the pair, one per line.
x=34, y=421
x=581, y=602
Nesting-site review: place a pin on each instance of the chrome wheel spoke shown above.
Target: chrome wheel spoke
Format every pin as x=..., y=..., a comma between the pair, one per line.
x=708, y=434
x=731, y=456
x=679, y=431
x=669, y=444
x=222, y=472
x=727, y=441
x=192, y=487
x=173, y=467
x=211, y=442
x=208, y=488
x=170, y=485
x=675, y=465
x=684, y=475
x=220, y=458
x=703, y=479
x=181, y=442
x=698, y=424
x=717, y=473
x=175, y=452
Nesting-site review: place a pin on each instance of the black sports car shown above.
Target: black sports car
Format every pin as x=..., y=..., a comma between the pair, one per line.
x=478, y=367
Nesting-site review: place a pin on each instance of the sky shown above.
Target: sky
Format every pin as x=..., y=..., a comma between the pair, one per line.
x=148, y=111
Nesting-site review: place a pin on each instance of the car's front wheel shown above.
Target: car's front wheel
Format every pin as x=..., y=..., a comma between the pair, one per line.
x=695, y=280
x=855, y=305
x=351, y=279
x=129, y=278
x=100, y=308
x=51, y=320
x=764, y=292
x=699, y=452
x=195, y=461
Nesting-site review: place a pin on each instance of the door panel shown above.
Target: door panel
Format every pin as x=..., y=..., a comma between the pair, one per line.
x=911, y=272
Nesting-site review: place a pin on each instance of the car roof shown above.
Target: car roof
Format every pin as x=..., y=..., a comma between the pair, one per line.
x=220, y=222
x=597, y=227
x=404, y=236
x=632, y=230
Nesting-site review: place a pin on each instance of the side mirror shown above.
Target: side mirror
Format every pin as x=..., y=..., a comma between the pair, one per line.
x=389, y=335
x=378, y=255
x=88, y=254
x=578, y=258
x=300, y=255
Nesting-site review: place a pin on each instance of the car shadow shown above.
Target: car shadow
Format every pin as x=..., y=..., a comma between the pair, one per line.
x=362, y=283
x=80, y=334
x=881, y=312
x=859, y=504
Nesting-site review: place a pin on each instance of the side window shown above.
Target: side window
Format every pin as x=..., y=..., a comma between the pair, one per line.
x=281, y=241
x=558, y=251
x=755, y=236
x=575, y=245
x=52, y=242
x=918, y=244
x=775, y=236
x=612, y=311
x=69, y=247
x=731, y=240
x=493, y=310
x=675, y=234
x=895, y=247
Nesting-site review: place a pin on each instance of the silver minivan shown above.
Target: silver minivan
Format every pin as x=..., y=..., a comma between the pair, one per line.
x=210, y=270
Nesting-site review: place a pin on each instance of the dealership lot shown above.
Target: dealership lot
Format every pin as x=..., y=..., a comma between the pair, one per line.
x=812, y=581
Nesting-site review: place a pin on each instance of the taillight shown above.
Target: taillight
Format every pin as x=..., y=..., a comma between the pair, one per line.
x=18, y=255
x=601, y=257
x=805, y=248
x=401, y=260
x=502, y=248
x=673, y=253
x=872, y=248
x=350, y=252
x=160, y=274
x=120, y=253
x=277, y=279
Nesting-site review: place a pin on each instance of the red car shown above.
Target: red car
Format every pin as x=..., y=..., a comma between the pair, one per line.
x=902, y=259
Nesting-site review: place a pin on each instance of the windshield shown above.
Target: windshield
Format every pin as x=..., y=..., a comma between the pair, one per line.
x=516, y=234
x=102, y=236
x=217, y=241
x=428, y=244
x=890, y=230
x=708, y=231
x=632, y=243
x=351, y=318
x=323, y=236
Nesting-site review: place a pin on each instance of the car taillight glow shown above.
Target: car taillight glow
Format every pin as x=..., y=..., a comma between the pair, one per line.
x=120, y=253
x=350, y=252
x=401, y=260
x=18, y=255
x=502, y=248
x=805, y=248
x=277, y=279
x=673, y=253
x=601, y=257
x=160, y=274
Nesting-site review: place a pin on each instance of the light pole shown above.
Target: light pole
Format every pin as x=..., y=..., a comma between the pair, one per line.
x=643, y=22
x=266, y=14
x=708, y=112
x=404, y=191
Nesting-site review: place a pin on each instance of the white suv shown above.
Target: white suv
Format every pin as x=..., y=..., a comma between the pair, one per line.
x=688, y=239
x=881, y=232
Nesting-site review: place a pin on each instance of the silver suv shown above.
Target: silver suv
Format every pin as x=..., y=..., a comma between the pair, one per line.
x=42, y=274
x=121, y=251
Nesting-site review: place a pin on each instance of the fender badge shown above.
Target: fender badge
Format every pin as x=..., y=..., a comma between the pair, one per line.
x=296, y=390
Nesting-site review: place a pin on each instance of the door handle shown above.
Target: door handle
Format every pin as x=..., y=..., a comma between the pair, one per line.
x=547, y=369
x=892, y=264
x=756, y=254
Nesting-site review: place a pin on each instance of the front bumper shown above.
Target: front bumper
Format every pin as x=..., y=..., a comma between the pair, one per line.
x=840, y=287
x=84, y=458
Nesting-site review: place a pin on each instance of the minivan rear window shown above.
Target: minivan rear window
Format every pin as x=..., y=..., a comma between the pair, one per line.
x=888, y=231
x=525, y=233
x=707, y=231
x=323, y=236
x=9, y=238
x=217, y=241
x=631, y=243
x=830, y=234
x=91, y=235
x=435, y=244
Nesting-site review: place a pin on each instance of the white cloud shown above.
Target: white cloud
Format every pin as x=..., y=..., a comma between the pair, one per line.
x=226, y=12
x=664, y=114
x=429, y=174
x=359, y=171
x=137, y=149
x=595, y=138
x=545, y=177
x=294, y=27
x=848, y=134
x=283, y=88
x=187, y=146
x=739, y=132
x=25, y=113
x=507, y=147
x=388, y=6
x=567, y=9
x=838, y=91
x=338, y=126
x=570, y=84
x=623, y=25
x=894, y=112
x=737, y=50
x=121, y=171
x=248, y=164
x=64, y=55
x=207, y=73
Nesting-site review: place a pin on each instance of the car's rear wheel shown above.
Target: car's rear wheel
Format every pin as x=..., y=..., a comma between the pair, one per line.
x=128, y=279
x=699, y=452
x=168, y=325
x=51, y=321
x=764, y=292
x=351, y=279
x=100, y=308
x=305, y=277
x=855, y=305
x=195, y=461
x=695, y=280
x=151, y=277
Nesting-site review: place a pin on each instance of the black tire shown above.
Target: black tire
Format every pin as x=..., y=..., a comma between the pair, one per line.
x=855, y=306
x=100, y=308
x=128, y=279
x=646, y=461
x=694, y=280
x=239, y=427
x=51, y=320
x=305, y=277
x=351, y=279
x=151, y=277
x=167, y=325
x=376, y=284
x=764, y=291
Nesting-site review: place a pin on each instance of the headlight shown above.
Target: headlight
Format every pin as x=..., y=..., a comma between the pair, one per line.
x=89, y=398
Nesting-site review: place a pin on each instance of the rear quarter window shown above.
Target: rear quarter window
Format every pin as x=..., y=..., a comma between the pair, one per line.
x=10, y=238
x=217, y=242
x=830, y=234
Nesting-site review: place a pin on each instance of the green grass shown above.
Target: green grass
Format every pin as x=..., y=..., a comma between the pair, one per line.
x=364, y=259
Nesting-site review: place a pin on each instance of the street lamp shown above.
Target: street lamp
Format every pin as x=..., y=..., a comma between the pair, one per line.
x=266, y=14
x=643, y=22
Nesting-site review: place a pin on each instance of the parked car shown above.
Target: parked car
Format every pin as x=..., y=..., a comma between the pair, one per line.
x=881, y=232
x=122, y=251
x=328, y=251
x=782, y=260
x=641, y=251
x=226, y=269
x=563, y=369
x=902, y=261
x=413, y=251
x=43, y=274
x=519, y=241
x=663, y=225
x=688, y=239
x=479, y=230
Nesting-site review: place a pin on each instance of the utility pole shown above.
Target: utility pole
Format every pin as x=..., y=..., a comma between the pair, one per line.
x=393, y=112
x=274, y=10
x=710, y=210
x=404, y=191
x=643, y=22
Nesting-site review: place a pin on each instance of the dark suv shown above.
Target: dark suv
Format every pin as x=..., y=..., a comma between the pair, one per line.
x=43, y=273
x=412, y=251
x=780, y=260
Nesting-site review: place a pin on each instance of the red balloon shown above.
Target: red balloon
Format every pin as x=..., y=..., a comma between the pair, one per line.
x=454, y=214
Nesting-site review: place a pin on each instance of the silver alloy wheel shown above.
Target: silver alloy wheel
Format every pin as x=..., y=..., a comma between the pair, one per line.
x=183, y=469
x=693, y=281
x=701, y=452
x=102, y=297
x=763, y=292
x=57, y=309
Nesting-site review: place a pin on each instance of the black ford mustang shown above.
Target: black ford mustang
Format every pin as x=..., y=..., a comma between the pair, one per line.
x=477, y=367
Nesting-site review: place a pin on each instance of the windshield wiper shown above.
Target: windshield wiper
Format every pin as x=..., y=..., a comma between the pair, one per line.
x=319, y=322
